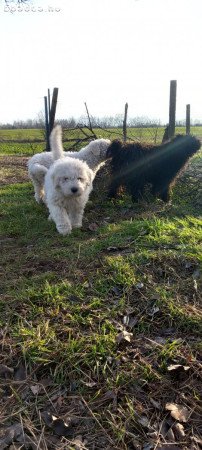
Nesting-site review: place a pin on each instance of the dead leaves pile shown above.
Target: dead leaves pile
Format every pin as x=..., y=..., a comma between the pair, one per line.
x=22, y=434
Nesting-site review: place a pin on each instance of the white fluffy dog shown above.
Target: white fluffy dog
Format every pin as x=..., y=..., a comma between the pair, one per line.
x=94, y=154
x=67, y=186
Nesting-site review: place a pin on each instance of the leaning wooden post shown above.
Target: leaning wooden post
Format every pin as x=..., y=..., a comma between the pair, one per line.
x=187, y=119
x=46, y=122
x=125, y=123
x=49, y=105
x=90, y=124
x=172, y=108
x=53, y=109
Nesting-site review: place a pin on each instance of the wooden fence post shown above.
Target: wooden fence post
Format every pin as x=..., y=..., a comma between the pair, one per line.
x=187, y=119
x=46, y=122
x=53, y=109
x=48, y=105
x=172, y=108
x=125, y=123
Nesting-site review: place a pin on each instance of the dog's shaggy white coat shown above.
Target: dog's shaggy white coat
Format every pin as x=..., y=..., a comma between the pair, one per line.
x=67, y=186
x=94, y=154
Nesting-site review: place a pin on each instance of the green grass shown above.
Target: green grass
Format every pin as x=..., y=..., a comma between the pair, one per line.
x=29, y=148
x=66, y=299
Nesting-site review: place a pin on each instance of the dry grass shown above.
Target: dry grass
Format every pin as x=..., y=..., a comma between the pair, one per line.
x=100, y=330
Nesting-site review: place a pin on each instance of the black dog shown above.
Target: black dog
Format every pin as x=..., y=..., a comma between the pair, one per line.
x=135, y=165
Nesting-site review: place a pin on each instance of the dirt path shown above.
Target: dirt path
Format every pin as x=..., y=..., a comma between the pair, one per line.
x=13, y=169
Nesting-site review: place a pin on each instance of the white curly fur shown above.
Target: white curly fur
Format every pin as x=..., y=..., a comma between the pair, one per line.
x=94, y=154
x=67, y=186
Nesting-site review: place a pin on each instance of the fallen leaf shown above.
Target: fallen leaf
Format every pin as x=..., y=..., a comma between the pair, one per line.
x=93, y=226
x=139, y=285
x=79, y=443
x=165, y=432
x=9, y=434
x=5, y=370
x=35, y=389
x=124, y=336
x=89, y=383
x=132, y=322
x=154, y=310
x=170, y=435
x=178, y=371
x=58, y=425
x=177, y=367
x=178, y=431
x=178, y=412
x=144, y=421
x=61, y=428
x=156, y=404
x=197, y=439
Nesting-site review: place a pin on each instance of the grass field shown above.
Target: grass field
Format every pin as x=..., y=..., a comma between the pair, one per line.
x=11, y=141
x=101, y=330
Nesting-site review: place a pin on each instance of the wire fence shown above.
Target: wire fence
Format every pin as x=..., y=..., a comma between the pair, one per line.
x=31, y=141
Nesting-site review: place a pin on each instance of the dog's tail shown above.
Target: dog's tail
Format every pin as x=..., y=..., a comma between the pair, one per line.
x=56, y=142
x=113, y=148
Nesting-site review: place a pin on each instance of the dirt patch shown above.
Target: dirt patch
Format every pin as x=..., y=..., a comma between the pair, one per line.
x=13, y=169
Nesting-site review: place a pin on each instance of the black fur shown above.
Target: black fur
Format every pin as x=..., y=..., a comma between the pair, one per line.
x=135, y=165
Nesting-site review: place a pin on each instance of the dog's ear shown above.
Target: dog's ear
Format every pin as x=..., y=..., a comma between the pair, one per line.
x=96, y=151
x=90, y=175
x=94, y=148
x=114, y=148
x=56, y=180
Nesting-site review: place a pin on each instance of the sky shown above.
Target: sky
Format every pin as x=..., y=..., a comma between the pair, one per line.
x=103, y=52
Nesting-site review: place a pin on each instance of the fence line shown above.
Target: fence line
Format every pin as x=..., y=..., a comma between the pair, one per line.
x=81, y=134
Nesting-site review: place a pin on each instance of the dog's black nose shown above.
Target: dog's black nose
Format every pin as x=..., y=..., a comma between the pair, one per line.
x=74, y=189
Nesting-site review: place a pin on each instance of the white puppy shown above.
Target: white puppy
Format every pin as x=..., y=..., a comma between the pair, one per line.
x=94, y=154
x=67, y=186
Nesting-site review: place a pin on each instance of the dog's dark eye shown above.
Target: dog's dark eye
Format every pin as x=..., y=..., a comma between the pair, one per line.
x=80, y=179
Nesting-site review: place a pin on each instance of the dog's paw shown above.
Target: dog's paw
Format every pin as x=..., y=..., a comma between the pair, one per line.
x=39, y=198
x=64, y=229
x=77, y=225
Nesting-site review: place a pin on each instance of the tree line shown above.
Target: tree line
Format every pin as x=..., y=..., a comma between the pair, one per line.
x=96, y=122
